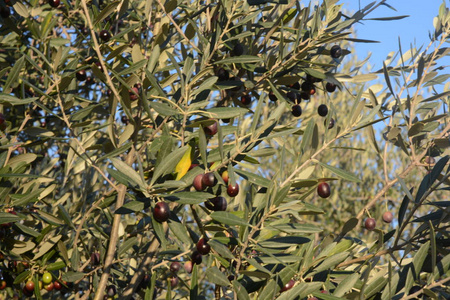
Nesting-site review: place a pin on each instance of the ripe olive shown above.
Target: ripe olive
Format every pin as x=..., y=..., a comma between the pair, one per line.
x=211, y=129
x=95, y=258
x=272, y=96
x=331, y=123
x=188, y=266
x=198, y=183
x=49, y=287
x=57, y=285
x=323, y=190
x=296, y=110
x=370, y=224
x=291, y=96
x=173, y=281
x=246, y=99
x=238, y=49
x=232, y=191
x=105, y=35
x=388, y=217
x=216, y=204
x=54, y=3
x=288, y=285
x=330, y=87
x=29, y=286
x=209, y=179
x=175, y=267
x=322, y=110
x=196, y=258
x=203, y=247
x=161, y=212
x=336, y=51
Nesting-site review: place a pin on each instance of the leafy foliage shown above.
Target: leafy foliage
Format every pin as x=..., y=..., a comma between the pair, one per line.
x=109, y=107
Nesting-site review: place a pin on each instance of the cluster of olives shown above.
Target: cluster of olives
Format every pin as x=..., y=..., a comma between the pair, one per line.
x=46, y=281
x=370, y=223
x=295, y=93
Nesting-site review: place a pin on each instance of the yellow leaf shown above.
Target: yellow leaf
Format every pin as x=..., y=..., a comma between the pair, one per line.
x=183, y=165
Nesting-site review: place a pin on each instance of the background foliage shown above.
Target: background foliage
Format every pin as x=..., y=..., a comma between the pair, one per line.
x=85, y=160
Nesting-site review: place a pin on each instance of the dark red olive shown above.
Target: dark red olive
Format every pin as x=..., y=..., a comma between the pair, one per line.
x=134, y=93
x=217, y=204
x=124, y=120
x=57, y=285
x=296, y=110
x=388, y=217
x=95, y=258
x=232, y=191
x=330, y=87
x=209, y=179
x=272, y=96
x=99, y=66
x=161, y=212
x=246, y=99
x=81, y=75
x=105, y=35
x=49, y=287
x=175, y=267
x=203, y=247
x=198, y=183
x=370, y=224
x=323, y=190
x=196, y=258
x=173, y=281
x=288, y=285
x=331, y=123
x=211, y=129
x=29, y=286
x=54, y=3
x=336, y=51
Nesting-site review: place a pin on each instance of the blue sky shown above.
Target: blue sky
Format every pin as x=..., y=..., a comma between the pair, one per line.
x=412, y=31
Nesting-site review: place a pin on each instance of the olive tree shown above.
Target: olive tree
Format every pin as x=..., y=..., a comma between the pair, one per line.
x=219, y=149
